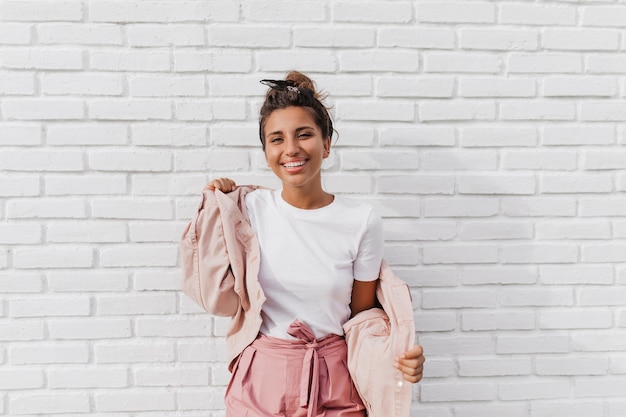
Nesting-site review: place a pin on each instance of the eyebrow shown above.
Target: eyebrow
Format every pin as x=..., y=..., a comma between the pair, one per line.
x=301, y=128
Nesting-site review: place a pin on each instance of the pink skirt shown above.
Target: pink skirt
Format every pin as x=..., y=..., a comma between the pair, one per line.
x=299, y=378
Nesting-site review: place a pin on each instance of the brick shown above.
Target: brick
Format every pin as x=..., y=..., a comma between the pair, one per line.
x=123, y=208
x=541, y=297
x=87, y=232
x=42, y=109
x=435, y=322
x=401, y=229
x=149, y=35
x=603, y=111
x=380, y=61
x=170, y=376
x=418, y=38
x=123, y=352
x=89, y=328
x=138, y=255
x=387, y=110
x=577, y=86
x=606, y=64
x=499, y=321
x=134, y=160
x=456, y=12
x=158, y=86
x=15, y=34
x=455, y=160
x=212, y=160
x=603, y=252
x=378, y=160
x=604, y=159
x=460, y=207
x=581, y=40
x=509, y=184
x=41, y=59
x=448, y=392
x=156, y=232
x=575, y=409
x=448, y=62
x=492, y=230
x=134, y=60
x=394, y=206
x=491, y=410
x=87, y=378
x=487, y=367
x=161, y=185
x=460, y=254
x=78, y=84
x=249, y=36
x=79, y=34
x=348, y=85
x=157, y=280
x=135, y=400
x=129, y=110
x=598, y=388
x=535, y=390
x=136, y=304
x=431, y=277
x=578, y=135
x=211, y=350
x=163, y=11
x=19, y=233
x=539, y=206
x=498, y=275
x=220, y=62
x=495, y=87
x=372, y=11
x=284, y=11
x=551, y=229
x=537, y=14
x=559, y=63
x=598, y=342
x=45, y=208
x=604, y=15
x=593, y=296
x=57, y=403
x=417, y=136
x=433, y=87
x=21, y=379
x=88, y=281
x=87, y=134
x=48, y=353
x=498, y=136
x=576, y=275
x=538, y=110
x=204, y=111
x=545, y=160
x=433, y=111
x=36, y=160
x=200, y=399
x=594, y=207
x=22, y=330
x=575, y=319
x=20, y=282
x=173, y=327
x=20, y=134
x=17, y=84
x=423, y=184
x=532, y=344
x=539, y=253
x=59, y=185
x=41, y=11
x=177, y=135
x=499, y=39
x=50, y=307
x=53, y=257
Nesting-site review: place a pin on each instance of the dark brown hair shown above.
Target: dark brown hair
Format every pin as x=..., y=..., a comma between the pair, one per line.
x=304, y=95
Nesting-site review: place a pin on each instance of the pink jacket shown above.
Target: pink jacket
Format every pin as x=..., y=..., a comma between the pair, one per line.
x=220, y=259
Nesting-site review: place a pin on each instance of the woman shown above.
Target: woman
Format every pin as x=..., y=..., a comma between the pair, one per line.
x=295, y=265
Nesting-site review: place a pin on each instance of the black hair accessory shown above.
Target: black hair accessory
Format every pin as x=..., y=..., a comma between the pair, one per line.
x=282, y=85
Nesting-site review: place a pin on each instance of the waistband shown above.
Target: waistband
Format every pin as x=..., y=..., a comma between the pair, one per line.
x=310, y=349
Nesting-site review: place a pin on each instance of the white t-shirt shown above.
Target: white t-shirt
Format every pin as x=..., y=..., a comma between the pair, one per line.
x=309, y=259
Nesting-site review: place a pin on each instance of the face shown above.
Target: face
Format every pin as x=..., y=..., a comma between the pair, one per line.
x=295, y=147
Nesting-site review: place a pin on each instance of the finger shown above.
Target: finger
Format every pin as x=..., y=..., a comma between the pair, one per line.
x=411, y=374
x=414, y=352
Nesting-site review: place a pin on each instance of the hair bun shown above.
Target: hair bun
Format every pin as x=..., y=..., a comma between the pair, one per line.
x=302, y=81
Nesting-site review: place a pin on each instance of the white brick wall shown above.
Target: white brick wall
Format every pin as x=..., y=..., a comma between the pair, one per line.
x=489, y=134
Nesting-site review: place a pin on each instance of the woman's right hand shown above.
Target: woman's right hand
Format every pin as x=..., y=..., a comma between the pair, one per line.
x=225, y=185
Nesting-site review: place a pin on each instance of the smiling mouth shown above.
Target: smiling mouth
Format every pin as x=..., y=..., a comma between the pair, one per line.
x=294, y=164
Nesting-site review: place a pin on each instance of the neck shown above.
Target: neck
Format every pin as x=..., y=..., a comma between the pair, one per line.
x=307, y=199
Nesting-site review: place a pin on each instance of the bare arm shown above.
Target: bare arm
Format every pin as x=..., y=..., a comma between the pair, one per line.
x=363, y=296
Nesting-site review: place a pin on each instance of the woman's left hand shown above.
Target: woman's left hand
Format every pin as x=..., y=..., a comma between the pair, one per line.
x=411, y=363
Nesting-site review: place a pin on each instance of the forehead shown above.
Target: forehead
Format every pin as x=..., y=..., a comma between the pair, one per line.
x=289, y=118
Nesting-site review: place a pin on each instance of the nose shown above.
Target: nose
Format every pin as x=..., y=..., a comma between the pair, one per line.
x=292, y=146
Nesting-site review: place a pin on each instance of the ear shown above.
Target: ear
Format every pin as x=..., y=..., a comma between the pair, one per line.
x=326, y=147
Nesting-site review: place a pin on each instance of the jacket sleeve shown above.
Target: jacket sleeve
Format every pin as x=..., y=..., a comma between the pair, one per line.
x=207, y=276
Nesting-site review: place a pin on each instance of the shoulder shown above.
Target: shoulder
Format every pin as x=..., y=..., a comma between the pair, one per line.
x=357, y=210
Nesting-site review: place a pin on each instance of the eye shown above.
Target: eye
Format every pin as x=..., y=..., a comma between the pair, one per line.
x=276, y=140
x=304, y=135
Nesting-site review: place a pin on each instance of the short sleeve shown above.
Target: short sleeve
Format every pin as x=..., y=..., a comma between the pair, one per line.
x=366, y=267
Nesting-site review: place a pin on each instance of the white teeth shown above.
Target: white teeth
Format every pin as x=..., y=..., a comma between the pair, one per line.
x=293, y=164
